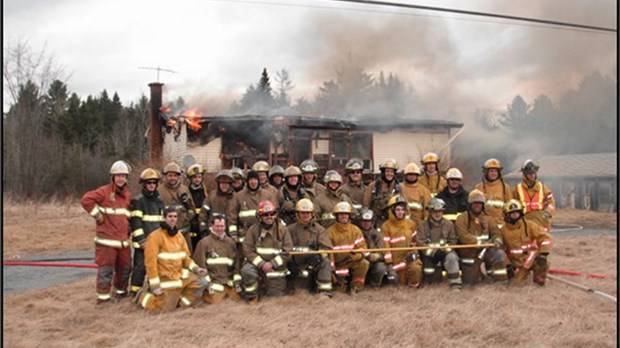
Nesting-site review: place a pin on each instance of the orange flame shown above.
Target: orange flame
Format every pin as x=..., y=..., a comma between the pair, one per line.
x=192, y=117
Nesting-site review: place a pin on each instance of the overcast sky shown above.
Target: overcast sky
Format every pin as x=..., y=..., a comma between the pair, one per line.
x=219, y=48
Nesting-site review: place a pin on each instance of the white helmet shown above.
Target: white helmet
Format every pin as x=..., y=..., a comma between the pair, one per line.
x=120, y=167
x=454, y=173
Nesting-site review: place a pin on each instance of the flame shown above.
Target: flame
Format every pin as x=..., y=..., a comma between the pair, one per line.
x=171, y=122
x=192, y=117
x=164, y=109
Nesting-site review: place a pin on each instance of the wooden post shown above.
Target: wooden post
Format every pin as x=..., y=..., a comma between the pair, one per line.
x=156, y=140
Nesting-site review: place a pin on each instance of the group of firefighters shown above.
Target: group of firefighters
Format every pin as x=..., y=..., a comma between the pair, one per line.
x=271, y=230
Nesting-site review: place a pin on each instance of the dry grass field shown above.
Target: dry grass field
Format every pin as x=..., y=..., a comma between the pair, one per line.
x=488, y=315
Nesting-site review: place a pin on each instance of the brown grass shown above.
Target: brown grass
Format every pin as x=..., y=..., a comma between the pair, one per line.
x=488, y=315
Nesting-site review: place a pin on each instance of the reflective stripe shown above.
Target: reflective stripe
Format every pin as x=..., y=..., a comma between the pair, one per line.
x=268, y=251
x=451, y=217
x=481, y=239
x=119, y=244
x=237, y=277
x=247, y=213
x=232, y=228
x=530, y=203
x=146, y=299
x=399, y=266
x=110, y=211
x=278, y=260
x=136, y=213
x=95, y=211
x=185, y=273
x=197, y=210
x=342, y=272
x=153, y=218
x=358, y=207
x=344, y=247
x=327, y=216
x=277, y=274
x=398, y=240
x=103, y=296
x=359, y=240
x=257, y=261
x=217, y=287
x=172, y=256
x=429, y=270
x=546, y=242
x=298, y=248
x=135, y=288
x=468, y=261
x=186, y=301
x=137, y=233
x=171, y=284
x=387, y=257
x=323, y=286
x=303, y=274
x=495, y=203
x=415, y=206
x=241, y=239
x=135, y=245
x=501, y=271
x=251, y=288
x=221, y=261
x=154, y=282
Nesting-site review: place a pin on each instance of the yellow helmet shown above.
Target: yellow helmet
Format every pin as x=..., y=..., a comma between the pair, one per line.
x=343, y=207
x=195, y=169
x=172, y=167
x=120, y=167
x=148, y=174
x=396, y=200
x=454, y=173
x=492, y=163
x=389, y=163
x=292, y=171
x=412, y=168
x=476, y=196
x=304, y=205
x=430, y=157
x=512, y=205
x=261, y=166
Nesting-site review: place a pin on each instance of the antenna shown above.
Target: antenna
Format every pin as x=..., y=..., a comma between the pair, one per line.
x=158, y=70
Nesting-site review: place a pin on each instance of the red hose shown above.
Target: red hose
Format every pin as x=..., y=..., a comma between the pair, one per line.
x=575, y=273
x=48, y=264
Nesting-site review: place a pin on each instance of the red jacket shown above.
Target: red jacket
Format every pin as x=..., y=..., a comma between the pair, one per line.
x=113, y=203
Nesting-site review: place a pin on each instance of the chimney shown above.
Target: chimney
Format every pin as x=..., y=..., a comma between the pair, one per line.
x=155, y=126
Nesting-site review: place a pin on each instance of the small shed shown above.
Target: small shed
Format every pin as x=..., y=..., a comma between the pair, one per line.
x=584, y=181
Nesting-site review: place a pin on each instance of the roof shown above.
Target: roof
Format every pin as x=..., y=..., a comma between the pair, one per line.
x=387, y=125
x=596, y=165
x=285, y=120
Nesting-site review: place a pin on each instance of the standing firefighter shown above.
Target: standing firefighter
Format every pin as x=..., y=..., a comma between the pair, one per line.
x=276, y=176
x=198, y=190
x=381, y=190
x=416, y=195
x=218, y=201
x=437, y=231
x=239, y=182
x=527, y=245
x=265, y=247
x=324, y=203
x=309, y=171
x=147, y=213
x=477, y=227
x=109, y=205
x=309, y=235
x=168, y=263
x=454, y=195
x=262, y=168
x=495, y=189
x=290, y=194
x=431, y=178
x=217, y=252
x=354, y=188
x=173, y=192
x=401, y=232
x=346, y=236
x=536, y=198
x=377, y=270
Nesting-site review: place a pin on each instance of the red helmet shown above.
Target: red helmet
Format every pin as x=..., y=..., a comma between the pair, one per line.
x=265, y=207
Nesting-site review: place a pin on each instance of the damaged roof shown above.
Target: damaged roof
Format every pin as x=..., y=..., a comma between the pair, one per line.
x=388, y=125
x=286, y=120
x=596, y=165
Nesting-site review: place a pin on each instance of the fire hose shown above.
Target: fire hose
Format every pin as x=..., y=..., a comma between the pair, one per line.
x=48, y=264
x=575, y=273
x=584, y=288
x=426, y=247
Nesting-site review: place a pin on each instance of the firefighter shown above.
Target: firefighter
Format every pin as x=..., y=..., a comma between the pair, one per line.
x=307, y=234
x=219, y=200
x=437, y=231
x=535, y=197
x=309, y=171
x=495, y=189
x=381, y=190
x=350, y=267
x=290, y=193
x=325, y=202
x=377, y=270
x=242, y=209
x=217, y=252
x=173, y=192
x=276, y=176
x=527, y=245
x=265, y=248
x=168, y=263
x=109, y=206
x=262, y=168
x=354, y=188
x=147, y=213
x=400, y=232
x=477, y=227
x=198, y=190
x=239, y=182
x=431, y=178
x=454, y=195
x=416, y=195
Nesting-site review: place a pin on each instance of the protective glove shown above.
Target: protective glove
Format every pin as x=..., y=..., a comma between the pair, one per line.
x=184, y=197
x=541, y=260
x=439, y=256
x=314, y=260
x=99, y=218
x=411, y=256
x=157, y=291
